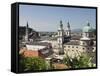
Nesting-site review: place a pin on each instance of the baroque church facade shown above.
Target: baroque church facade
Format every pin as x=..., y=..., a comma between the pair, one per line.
x=75, y=47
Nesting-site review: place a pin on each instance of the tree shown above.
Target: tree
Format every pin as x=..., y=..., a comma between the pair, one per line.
x=32, y=64
x=82, y=61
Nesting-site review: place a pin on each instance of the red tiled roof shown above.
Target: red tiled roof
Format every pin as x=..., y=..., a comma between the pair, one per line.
x=30, y=53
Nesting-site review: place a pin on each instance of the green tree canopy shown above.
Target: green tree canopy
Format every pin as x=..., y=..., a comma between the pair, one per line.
x=82, y=61
x=32, y=64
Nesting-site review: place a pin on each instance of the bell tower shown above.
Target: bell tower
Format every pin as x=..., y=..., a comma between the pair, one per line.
x=68, y=31
x=26, y=33
x=60, y=38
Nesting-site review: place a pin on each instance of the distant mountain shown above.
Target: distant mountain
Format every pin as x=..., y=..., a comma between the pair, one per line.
x=32, y=33
x=22, y=30
x=76, y=30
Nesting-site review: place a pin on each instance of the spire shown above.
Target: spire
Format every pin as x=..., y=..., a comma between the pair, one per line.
x=60, y=21
x=88, y=24
x=68, y=25
x=26, y=36
x=27, y=25
x=61, y=25
x=68, y=30
x=27, y=29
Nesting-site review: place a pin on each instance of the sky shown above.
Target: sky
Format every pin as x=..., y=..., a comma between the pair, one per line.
x=47, y=18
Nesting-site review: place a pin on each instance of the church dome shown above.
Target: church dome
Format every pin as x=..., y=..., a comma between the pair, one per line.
x=88, y=28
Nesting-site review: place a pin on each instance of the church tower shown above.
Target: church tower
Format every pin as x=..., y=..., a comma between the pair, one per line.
x=87, y=43
x=86, y=39
x=60, y=38
x=68, y=30
x=26, y=33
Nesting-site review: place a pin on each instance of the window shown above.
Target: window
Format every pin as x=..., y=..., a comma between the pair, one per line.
x=91, y=43
x=83, y=43
x=72, y=50
x=76, y=46
x=92, y=48
x=68, y=46
x=83, y=48
x=72, y=46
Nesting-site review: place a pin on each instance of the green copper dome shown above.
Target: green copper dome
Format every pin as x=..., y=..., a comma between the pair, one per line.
x=88, y=28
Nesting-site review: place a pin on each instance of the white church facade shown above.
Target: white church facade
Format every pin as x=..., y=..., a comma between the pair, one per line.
x=86, y=44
